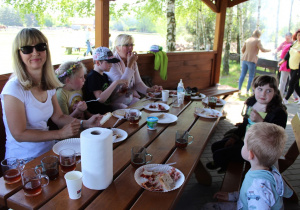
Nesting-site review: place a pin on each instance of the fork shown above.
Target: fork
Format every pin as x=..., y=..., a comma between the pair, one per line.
x=163, y=166
x=93, y=100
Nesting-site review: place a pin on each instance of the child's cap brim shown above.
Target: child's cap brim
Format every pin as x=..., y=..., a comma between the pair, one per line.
x=113, y=60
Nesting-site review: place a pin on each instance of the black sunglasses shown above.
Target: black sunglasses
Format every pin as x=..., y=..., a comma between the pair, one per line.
x=29, y=49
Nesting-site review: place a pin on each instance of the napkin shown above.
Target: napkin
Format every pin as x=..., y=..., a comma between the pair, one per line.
x=96, y=158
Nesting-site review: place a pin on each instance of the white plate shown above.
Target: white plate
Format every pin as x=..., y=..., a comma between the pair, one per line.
x=139, y=180
x=119, y=116
x=73, y=143
x=147, y=107
x=120, y=132
x=205, y=112
x=198, y=97
x=221, y=103
x=172, y=93
x=168, y=118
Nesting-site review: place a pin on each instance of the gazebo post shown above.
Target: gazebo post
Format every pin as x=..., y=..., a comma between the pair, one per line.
x=219, y=36
x=101, y=23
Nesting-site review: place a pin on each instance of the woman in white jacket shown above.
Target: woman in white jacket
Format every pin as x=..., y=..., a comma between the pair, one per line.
x=127, y=69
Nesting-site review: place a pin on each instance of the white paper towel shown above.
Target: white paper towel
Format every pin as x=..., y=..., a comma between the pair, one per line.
x=96, y=158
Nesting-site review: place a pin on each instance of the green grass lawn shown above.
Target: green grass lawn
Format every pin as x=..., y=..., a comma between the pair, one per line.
x=233, y=79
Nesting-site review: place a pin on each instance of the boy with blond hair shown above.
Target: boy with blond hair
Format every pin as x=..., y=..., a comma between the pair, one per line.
x=263, y=186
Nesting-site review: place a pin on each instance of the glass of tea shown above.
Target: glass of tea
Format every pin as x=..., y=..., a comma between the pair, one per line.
x=11, y=168
x=182, y=139
x=134, y=116
x=32, y=181
x=67, y=160
x=212, y=102
x=139, y=156
x=49, y=165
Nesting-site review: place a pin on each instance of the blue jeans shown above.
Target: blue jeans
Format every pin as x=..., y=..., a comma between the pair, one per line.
x=245, y=66
x=88, y=50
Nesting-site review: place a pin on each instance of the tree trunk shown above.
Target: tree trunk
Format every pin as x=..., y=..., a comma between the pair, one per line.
x=258, y=14
x=277, y=24
x=290, y=20
x=241, y=31
x=228, y=41
x=171, y=25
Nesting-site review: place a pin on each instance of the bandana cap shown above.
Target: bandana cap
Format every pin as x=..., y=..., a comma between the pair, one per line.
x=104, y=54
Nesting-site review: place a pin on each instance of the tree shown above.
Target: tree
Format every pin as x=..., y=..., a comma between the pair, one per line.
x=171, y=25
x=277, y=24
x=292, y=2
x=228, y=41
x=62, y=8
x=258, y=13
x=9, y=17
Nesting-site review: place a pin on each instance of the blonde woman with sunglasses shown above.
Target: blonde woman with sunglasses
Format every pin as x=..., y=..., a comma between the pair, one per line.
x=127, y=69
x=29, y=100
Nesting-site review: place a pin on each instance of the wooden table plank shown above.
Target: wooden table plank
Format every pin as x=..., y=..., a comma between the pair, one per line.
x=187, y=160
x=166, y=144
x=121, y=160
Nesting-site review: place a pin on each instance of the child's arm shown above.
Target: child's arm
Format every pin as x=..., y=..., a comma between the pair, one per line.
x=226, y=196
x=104, y=95
x=79, y=108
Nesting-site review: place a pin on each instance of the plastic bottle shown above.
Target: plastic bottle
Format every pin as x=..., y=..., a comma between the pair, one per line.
x=180, y=92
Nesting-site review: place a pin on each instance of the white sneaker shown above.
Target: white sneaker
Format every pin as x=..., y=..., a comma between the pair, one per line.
x=298, y=102
x=284, y=101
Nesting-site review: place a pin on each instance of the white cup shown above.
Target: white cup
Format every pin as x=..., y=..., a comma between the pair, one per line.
x=74, y=184
x=165, y=95
x=180, y=97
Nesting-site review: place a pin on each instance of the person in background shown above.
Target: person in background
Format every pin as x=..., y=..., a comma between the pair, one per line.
x=29, y=100
x=127, y=69
x=285, y=74
x=293, y=58
x=263, y=186
x=88, y=41
x=70, y=97
x=264, y=106
x=288, y=41
x=97, y=85
x=249, y=58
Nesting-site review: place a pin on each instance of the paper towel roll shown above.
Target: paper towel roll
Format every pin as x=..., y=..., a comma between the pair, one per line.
x=96, y=158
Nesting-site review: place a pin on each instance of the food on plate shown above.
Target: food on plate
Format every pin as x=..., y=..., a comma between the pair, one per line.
x=152, y=106
x=158, y=115
x=172, y=92
x=166, y=181
x=219, y=101
x=151, y=95
x=117, y=135
x=120, y=112
x=105, y=118
x=208, y=114
x=161, y=107
x=159, y=180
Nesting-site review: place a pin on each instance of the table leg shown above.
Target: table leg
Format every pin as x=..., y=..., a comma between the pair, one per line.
x=202, y=175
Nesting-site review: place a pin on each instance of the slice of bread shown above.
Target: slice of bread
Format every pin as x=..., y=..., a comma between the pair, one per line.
x=120, y=112
x=158, y=115
x=166, y=181
x=105, y=118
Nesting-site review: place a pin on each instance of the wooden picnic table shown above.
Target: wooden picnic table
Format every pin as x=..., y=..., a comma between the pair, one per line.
x=124, y=192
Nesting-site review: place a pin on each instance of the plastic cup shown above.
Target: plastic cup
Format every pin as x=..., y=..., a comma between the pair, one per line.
x=165, y=95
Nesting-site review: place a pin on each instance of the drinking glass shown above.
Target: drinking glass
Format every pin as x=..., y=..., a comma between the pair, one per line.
x=67, y=160
x=139, y=156
x=246, y=111
x=49, y=165
x=11, y=168
x=32, y=181
x=182, y=139
x=134, y=116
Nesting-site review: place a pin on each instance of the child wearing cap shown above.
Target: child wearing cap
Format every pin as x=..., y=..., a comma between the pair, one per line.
x=263, y=186
x=97, y=85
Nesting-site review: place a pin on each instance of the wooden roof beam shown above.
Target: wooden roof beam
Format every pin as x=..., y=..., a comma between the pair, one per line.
x=232, y=3
x=213, y=6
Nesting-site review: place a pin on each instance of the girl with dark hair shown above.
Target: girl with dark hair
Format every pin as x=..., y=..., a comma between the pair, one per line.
x=264, y=106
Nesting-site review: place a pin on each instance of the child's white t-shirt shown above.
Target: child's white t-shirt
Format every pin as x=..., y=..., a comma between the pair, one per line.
x=37, y=115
